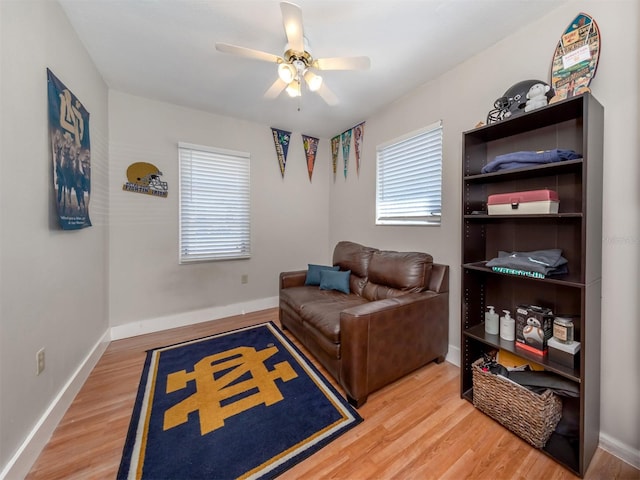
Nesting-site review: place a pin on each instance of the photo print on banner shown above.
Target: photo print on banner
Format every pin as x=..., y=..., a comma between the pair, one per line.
x=70, y=154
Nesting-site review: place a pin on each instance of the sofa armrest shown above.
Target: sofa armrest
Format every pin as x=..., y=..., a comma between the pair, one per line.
x=439, y=281
x=384, y=340
x=292, y=279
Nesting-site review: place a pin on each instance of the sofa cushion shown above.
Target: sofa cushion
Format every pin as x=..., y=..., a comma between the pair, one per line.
x=353, y=256
x=313, y=273
x=373, y=291
x=298, y=297
x=392, y=274
x=323, y=316
x=334, y=280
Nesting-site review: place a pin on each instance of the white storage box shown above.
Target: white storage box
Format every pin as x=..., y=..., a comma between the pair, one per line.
x=523, y=203
x=567, y=354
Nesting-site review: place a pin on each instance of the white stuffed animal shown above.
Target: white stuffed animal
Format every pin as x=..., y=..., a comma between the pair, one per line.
x=537, y=96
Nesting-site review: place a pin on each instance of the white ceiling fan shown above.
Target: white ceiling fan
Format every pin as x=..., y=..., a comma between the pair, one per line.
x=297, y=66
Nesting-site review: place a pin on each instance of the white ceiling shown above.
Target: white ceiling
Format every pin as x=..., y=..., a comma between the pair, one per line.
x=164, y=49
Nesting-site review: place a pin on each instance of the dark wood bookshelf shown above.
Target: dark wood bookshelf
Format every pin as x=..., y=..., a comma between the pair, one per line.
x=575, y=123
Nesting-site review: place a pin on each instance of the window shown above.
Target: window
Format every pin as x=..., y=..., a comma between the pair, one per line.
x=409, y=179
x=214, y=204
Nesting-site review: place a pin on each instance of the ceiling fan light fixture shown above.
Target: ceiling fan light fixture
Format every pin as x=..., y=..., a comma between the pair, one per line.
x=293, y=90
x=287, y=72
x=313, y=81
x=295, y=64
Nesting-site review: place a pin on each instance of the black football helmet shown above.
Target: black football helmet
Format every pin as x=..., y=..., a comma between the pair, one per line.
x=514, y=100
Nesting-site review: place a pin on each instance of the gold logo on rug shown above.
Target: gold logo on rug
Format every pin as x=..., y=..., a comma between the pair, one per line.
x=211, y=392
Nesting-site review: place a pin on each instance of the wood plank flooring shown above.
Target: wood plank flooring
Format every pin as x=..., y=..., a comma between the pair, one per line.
x=416, y=428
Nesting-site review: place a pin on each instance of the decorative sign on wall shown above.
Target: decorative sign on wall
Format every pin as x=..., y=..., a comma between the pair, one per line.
x=575, y=59
x=346, y=145
x=335, y=148
x=358, y=138
x=310, y=148
x=281, y=139
x=143, y=177
x=71, y=154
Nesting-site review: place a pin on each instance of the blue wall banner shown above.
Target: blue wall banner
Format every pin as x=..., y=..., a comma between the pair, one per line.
x=70, y=153
x=281, y=139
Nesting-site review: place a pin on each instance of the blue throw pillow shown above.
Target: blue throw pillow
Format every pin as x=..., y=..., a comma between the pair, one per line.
x=334, y=280
x=313, y=273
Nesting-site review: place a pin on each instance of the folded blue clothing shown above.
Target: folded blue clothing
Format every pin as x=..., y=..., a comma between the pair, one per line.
x=529, y=159
x=545, y=262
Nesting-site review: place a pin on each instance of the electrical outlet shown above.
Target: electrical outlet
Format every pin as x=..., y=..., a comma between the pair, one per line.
x=244, y=278
x=40, y=361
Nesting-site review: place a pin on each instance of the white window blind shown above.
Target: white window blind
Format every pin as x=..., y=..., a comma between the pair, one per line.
x=215, y=220
x=409, y=179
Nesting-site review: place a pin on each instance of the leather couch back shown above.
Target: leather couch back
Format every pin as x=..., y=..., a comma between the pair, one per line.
x=378, y=274
x=355, y=257
x=396, y=273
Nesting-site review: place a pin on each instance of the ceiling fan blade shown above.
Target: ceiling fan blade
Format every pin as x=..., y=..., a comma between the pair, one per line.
x=327, y=95
x=248, y=52
x=292, y=20
x=343, y=63
x=275, y=89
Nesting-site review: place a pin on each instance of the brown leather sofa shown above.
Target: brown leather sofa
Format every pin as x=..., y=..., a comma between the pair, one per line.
x=394, y=319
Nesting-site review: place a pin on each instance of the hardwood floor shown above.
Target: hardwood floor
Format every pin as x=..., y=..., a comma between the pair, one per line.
x=416, y=428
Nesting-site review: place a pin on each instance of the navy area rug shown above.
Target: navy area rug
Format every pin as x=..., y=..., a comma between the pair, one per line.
x=241, y=404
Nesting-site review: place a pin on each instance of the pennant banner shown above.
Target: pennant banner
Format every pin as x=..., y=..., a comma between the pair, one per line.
x=71, y=154
x=281, y=140
x=335, y=148
x=346, y=145
x=358, y=137
x=310, y=148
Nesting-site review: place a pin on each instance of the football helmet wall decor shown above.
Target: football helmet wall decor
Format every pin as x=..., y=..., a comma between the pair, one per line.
x=513, y=101
x=143, y=177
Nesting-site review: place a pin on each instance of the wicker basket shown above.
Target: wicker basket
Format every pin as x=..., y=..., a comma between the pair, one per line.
x=531, y=416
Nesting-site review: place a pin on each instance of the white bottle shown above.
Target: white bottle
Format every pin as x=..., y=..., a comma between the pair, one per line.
x=507, y=327
x=491, y=322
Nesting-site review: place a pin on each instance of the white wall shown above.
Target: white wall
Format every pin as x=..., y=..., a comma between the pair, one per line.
x=289, y=226
x=461, y=98
x=53, y=291
x=127, y=276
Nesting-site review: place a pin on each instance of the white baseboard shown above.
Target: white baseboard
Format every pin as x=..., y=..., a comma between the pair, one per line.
x=20, y=464
x=190, y=318
x=618, y=449
x=453, y=355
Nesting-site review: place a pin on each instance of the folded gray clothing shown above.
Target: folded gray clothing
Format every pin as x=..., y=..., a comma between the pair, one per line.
x=529, y=159
x=546, y=262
